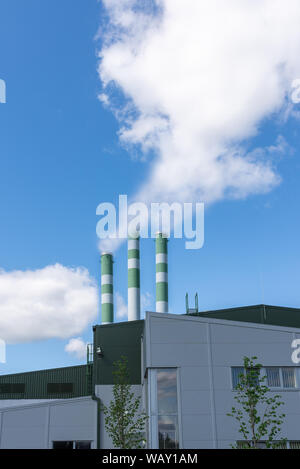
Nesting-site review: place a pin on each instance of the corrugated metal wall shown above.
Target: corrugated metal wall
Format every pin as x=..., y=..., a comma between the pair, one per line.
x=36, y=383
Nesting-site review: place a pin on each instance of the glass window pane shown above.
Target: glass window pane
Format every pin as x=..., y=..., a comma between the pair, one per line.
x=261, y=445
x=243, y=444
x=82, y=444
x=236, y=372
x=281, y=445
x=253, y=376
x=294, y=444
x=273, y=377
x=167, y=391
x=62, y=444
x=168, y=432
x=288, y=377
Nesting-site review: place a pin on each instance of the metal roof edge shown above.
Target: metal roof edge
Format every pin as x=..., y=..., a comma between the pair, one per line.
x=47, y=402
x=238, y=308
x=227, y=322
x=44, y=370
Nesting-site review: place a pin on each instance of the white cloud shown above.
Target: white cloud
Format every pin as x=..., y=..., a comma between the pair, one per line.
x=53, y=302
x=121, y=307
x=199, y=78
x=146, y=301
x=77, y=347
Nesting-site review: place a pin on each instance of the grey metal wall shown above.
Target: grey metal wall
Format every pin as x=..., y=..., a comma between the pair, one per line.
x=105, y=394
x=204, y=350
x=36, y=426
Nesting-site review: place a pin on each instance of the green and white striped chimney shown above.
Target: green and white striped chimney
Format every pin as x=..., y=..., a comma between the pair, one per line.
x=107, y=302
x=161, y=273
x=134, y=299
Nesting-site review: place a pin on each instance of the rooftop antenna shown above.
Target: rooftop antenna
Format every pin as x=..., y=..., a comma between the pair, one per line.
x=191, y=310
x=263, y=295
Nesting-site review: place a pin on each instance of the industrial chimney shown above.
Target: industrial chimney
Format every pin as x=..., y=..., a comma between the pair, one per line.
x=107, y=302
x=134, y=300
x=161, y=273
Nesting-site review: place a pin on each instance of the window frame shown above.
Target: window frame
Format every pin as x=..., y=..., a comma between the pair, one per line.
x=264, y=373
x=288, y=444
x=153, y=406
x=73, y=443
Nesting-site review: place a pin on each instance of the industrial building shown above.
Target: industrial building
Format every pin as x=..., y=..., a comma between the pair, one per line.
x=185, y=367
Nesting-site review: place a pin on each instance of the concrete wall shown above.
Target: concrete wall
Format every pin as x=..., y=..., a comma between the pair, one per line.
x=36, y=426
x=204, y=350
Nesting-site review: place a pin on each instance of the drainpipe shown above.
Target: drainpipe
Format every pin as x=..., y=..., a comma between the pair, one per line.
x=98, y=401
x=94, y=397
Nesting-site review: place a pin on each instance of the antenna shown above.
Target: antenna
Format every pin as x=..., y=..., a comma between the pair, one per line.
x=191, y=310
x=263, y=294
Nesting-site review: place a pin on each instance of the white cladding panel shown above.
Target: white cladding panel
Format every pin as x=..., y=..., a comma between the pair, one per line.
x=36, y=426
x=204, y=350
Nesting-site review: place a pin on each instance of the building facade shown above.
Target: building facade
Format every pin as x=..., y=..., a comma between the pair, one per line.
x=185, y=368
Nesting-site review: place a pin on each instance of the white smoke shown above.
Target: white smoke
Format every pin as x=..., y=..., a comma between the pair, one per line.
x=198, y=79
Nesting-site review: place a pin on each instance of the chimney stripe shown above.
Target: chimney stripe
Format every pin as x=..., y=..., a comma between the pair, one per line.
x=161, y=306
x=133, y=244
x=106, y=279
x=161, y=258
x=161, y=277
x=133, y=263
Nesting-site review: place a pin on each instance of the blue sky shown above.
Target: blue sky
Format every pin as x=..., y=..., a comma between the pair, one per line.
x=61, y=157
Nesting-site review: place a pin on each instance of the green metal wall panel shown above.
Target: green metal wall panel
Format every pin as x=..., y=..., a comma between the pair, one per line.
x=36, y=383
x=116, y=340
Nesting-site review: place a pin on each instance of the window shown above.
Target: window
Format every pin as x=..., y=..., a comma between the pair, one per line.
x=284, y=377
x=294, y=444
x=62, y=444
x=281, y=377
x=71, y=445
x=236, y=373
x=59, y=388
x=262, y=445
x=164, y=432
x=167, y=408
x=273, y=377
x=12, y=388
x=82, y=445
x=288, y=377
x=247, y=444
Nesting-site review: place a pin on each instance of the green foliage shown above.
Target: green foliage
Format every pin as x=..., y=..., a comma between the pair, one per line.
x=124, y=422
x=257, y=413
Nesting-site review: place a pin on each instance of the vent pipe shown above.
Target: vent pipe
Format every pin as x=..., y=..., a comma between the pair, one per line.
x=161, y=273
x=134, y=300
x=107, y=302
